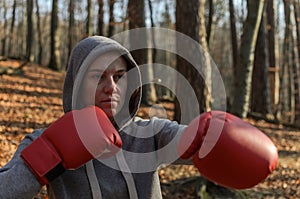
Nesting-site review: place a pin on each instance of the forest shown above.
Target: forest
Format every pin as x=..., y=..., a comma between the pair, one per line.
x=256, y=43
x=250, y=66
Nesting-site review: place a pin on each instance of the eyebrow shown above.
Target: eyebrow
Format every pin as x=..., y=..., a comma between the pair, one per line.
x=102, y=71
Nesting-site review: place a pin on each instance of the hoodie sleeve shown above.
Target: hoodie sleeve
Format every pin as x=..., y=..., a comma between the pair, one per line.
x=16, y=179
x=168, y=137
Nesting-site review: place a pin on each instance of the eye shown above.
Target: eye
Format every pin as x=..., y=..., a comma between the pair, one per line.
x=96, y=76
x=117, y=77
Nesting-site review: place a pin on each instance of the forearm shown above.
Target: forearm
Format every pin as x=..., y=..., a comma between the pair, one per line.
x=16, y=179
x=18, y=182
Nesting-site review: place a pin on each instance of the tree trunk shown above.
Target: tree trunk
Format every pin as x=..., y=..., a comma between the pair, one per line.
x=89, y=20
x=4, y=36
x=296, y=60
x=111, y=25
x=153, y=50
x=210, y=21
x=242, y=84
x=273, y=46
x=12, y=26
x=297, y=21
x=54, y=55
x=190, y=21
x=205, y=87
x=260, y=99
x=21, y=39
x=295, y=72
x=29, y=37
x=234, y=41
x=136, y=16
x=39, y=33
x=71, y=27
x=164, y=57
x=285, y=89
x=100, y=17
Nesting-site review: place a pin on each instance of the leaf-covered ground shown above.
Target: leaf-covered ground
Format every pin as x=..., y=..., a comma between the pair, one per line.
x=31, y=98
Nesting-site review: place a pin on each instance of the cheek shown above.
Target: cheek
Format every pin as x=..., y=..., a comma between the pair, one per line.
x=123, y=89
x=88, y=93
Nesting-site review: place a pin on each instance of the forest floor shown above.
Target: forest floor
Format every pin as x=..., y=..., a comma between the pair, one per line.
x=30, y=98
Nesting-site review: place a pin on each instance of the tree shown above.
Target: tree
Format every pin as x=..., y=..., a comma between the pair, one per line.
x=288, y=76
x=89, y=24
x=12, y=25
x=190, y=21
x=242, y=82
x=54, y=53
x=295, y=67
x=205, y=87
x=100, y=17
x=39, y=33
x=136, y=16
x=152, y=32
x=29, y=37
x=71, y=31
x=111, y=24
x=210, y=20
x=4, y=36
x=234, y=40
x=296, y=59
x=287, y=56
x=297, y=22
x=163, y=57
x=260, y=98
x=273, y=51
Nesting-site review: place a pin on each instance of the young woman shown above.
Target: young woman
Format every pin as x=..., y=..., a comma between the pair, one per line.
x=101, y=149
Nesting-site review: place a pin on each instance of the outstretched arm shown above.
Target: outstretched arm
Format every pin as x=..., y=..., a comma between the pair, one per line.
x=16, y=179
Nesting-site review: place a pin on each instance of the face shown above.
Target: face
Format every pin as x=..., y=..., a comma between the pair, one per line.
x=105, y=83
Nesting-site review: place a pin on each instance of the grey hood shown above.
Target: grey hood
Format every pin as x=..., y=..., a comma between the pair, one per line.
x=82, y=56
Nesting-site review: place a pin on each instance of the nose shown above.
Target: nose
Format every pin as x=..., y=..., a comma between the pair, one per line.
x=109, y=85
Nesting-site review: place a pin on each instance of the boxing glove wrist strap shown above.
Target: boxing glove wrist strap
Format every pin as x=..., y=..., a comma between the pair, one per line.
x=55, y=172
x=42, y=160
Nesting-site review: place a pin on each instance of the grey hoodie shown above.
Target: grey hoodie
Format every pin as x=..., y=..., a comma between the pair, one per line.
x=132, y=173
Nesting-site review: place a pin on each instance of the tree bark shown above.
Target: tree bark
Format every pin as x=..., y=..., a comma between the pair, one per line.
x=111, y=25
x=296, y=59
x=285, y=80
x=12, y=26
x=100, y=17
x=210, y=21
x=89, y=21
x=29, y=37
x=234, y=41
x=205, y=87
x=54, y=54
x=39, y=32
x=297, y=22
x=4, y=37
x=242, y=84
x=273, y=46
x=71, y=27
x=260, y=98
x=190, y=21
x=136, y=16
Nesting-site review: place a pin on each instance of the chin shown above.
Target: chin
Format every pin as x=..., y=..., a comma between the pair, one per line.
x=109, y=113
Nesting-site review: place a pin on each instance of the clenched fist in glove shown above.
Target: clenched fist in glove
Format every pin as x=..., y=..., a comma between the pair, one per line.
x=227, y=150
x=70, y=142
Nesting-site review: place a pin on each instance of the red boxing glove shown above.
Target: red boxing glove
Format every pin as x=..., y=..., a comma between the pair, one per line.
x=70, y=142
x=227, y=150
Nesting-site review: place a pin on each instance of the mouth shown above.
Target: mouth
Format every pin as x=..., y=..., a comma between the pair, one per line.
x=108, y=102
